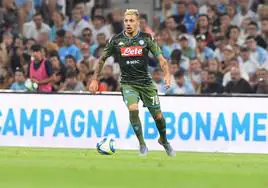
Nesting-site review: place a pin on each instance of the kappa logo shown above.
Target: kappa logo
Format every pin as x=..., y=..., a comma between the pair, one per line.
x=121, y=43
x=131, y=51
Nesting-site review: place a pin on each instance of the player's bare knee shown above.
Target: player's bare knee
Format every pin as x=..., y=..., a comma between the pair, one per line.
x=158, y=116
x=133, y=107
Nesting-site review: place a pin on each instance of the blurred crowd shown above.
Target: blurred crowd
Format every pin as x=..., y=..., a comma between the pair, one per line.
x=212, y=46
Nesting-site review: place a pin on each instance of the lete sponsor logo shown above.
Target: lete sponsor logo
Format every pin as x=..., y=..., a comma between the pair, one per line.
x=131, y=51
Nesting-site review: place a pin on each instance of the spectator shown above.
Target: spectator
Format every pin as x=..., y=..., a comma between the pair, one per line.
x=101, y=44
x=169, y=9
x=204, y=82
x=89, y=80
x=78, y=24
x=168, y=40
x=257, y=53
x=40, y=70
x=222, y=6
x=171, y=26
x=181, y=10
x=243, y=13
x=81, y=6
x=182, y=87
x=228, y=55
x=225, y=22
x=108, y=78
x=228, y=77
x=161, y=43
x=262, y=11
x=96, y=11
x=247, y=63
x=214, y=67
x=144, y=25
x=195, y=72
x=237, y=84
x=89, y=59
x=87, y=38
x=71, y=64
x=71, y=82
x=173, y=67
x=186, y=50
x=19, y=85
x=191, y=17
x=262, y=81
x=264, y=30
x=9, y=21
x=5, y=47
x=28, y=43
x=233, y=36
x=83, y=68
x=203, y=52
x=203, y=27
x=36, y=27
x=70, y=48
x=157, y=76
x=176, y=55
x=212, y=14
x=17, y=59
x=43, y=38
x=58, y=24
x=5, y=79
x=99, y=26
x=60, y=38
x=58, y=69
x=219, y=43
x=231, y=10
x=213, y=86
x=252, y=30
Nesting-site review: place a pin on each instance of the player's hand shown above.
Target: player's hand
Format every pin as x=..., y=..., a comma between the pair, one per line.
x=167, y=81
x=94, y=86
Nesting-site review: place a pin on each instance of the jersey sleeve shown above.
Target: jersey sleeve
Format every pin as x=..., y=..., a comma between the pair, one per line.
x=108, y=50
x=153, y=47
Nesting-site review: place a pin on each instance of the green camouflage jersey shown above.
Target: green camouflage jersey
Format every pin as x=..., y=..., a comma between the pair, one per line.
x=132, y=54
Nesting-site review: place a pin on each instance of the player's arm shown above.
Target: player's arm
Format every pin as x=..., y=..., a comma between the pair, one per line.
x=164, y=66
x=108, y=51
x=157, y=52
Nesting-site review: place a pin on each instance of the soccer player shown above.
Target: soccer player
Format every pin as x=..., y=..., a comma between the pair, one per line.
x=132, y=47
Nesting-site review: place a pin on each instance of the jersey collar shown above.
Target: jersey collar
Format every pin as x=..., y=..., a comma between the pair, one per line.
x=136, y=36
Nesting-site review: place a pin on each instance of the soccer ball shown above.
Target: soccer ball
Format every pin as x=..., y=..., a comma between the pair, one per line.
x=106, y=146
x=30, y=86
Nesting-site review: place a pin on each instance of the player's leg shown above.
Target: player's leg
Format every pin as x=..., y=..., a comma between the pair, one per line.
x=151, y=101
x=131, y=99
x=161, y=126
x=160, y=122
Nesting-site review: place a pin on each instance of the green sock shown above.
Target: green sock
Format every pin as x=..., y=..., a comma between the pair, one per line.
x=161, y=126
x=136, y=124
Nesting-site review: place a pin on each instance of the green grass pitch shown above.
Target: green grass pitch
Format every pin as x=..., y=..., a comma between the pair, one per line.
x=75, y=168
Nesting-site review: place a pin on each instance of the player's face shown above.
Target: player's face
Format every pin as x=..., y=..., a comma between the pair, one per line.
x=131, y=23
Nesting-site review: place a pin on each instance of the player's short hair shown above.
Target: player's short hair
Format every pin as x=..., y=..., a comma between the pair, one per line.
x=132, y=12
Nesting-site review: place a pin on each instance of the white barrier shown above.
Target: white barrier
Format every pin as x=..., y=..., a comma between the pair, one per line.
x=205, y=124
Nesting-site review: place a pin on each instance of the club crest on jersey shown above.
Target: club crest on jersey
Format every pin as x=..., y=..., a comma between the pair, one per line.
x=131, y=51
x=141, y=42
